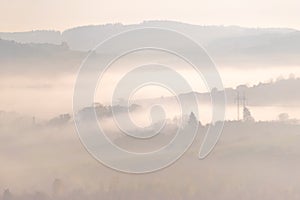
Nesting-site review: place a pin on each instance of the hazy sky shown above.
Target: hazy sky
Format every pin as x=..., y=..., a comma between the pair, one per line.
x=24, y=15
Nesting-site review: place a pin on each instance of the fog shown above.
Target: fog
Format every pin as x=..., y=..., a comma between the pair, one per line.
x=30, y=95
x=47, y=161
x=43, y=157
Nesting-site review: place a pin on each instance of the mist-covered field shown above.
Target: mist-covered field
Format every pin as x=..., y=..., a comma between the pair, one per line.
x=256, y=157
x=251, y=160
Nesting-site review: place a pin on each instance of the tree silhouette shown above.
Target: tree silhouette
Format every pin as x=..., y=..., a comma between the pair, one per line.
x=192, y=119
x=7, y=195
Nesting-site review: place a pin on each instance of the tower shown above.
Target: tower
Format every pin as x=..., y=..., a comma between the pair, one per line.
x=237, y=99
x=246, y=112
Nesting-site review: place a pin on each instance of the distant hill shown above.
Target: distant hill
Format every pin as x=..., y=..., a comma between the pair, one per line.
x=278, y=93
x=86, y=37
x=37, y=58
x=12, y=49
x=227, y=45
x=51, y=37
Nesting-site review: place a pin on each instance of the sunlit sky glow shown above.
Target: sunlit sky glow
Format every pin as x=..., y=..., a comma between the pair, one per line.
x=26, y=15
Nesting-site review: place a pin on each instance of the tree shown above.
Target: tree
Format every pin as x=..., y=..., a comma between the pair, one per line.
x=283, y=117
x=57, y=188
x=7, y=195
x=192, y=119
x=247, y=115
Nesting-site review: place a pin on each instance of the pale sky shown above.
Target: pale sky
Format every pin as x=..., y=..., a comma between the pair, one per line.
x=24, y=15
